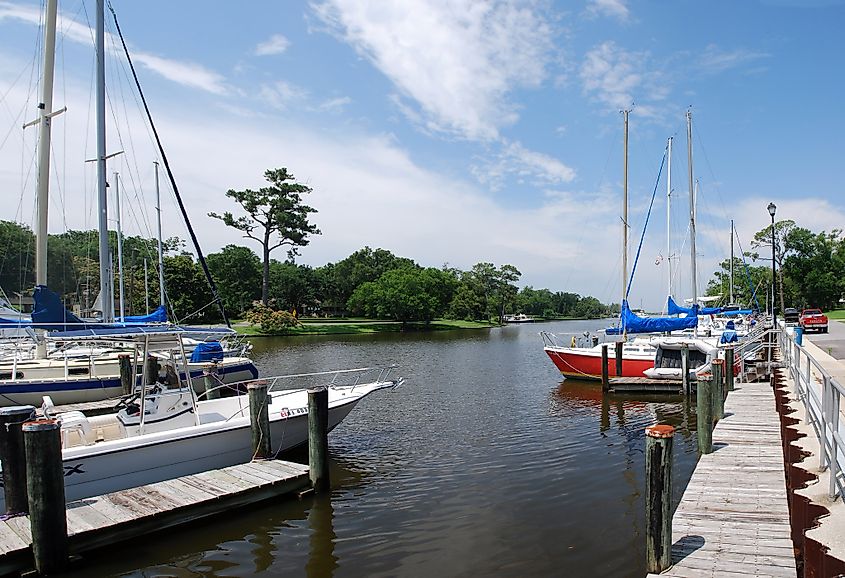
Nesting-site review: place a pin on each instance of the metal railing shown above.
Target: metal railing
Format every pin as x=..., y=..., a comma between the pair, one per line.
x=821, y=395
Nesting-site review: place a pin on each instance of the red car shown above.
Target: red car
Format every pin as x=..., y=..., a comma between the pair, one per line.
x=813, y=320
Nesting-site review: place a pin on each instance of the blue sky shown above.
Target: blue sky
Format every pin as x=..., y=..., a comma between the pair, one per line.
x=453, y=132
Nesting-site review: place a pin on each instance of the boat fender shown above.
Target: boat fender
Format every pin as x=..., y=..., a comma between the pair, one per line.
x=572, y=342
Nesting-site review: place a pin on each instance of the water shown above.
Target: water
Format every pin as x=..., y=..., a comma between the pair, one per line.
x=485, y=463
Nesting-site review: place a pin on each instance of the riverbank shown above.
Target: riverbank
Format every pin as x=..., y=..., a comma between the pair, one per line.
x=360, y=326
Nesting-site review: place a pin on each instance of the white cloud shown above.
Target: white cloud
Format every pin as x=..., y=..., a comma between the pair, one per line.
x=514, y=159
x=282, y=95
x=620, y=79
x=714, y=59
x=612, y=8
x=456, y=61
x=276, y=44
x=334, y=105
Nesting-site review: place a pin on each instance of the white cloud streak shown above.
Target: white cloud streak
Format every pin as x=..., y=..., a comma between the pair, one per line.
x=457, y=61
x=276, y=44
x=612, y=8
x=715, y=59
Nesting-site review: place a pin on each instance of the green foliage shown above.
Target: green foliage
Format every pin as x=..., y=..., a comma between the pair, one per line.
x=815, y=263
x=408, y=294
x=744, y=292
x=271, y=320
x=342, y=278
x=293, y=286
x=237, y=272
x=271, y=211
x=187, y=290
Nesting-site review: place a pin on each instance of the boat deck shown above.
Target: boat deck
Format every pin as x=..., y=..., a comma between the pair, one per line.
x=733, y=519
x=103, y=520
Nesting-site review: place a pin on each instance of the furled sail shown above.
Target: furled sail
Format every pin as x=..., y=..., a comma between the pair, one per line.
x=632, y=323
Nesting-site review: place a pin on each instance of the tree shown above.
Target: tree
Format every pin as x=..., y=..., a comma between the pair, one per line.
x=188, y=294
x=764, y=238
x=292, y=287
x=407, y=294
x=360, y=267
x=751, y=282
x=237, y=272
x=816, y=265
x=276, y=210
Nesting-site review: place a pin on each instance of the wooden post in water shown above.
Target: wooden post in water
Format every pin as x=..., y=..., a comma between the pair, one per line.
x=704, y=415
x=718, y=390
x=605, y=378
x=318, y=438
x=619, y=359
x=729, y=367
x=45, y=484
x=152, y=369
x=211, y=381
x=127, y=373
x=259, y=419
x=13, y=456
x=658, y=497
x=685, y=369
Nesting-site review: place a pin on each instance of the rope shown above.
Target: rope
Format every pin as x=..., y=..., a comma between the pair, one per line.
x=645, y=226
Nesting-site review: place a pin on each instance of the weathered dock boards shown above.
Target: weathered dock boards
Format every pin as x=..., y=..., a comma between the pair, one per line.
x=103, y=520
x=646, y=385
x=733, y=519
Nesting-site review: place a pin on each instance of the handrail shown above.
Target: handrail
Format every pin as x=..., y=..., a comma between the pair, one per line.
x=822, y=396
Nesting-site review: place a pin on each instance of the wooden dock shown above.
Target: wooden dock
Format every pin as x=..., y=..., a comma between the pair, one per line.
x=733, y=519
x=646, y=385
x=104, y=520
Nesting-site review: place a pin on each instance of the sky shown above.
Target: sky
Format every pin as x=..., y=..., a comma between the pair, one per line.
x=450, y=132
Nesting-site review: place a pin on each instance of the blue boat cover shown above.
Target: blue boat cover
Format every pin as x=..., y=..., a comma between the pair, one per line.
x=15, y=322
x=728, y=336
x=632, y=323
x=738, y=312
x=208, y=351
x=49, y=313
x=675, y=309
x=157, y=316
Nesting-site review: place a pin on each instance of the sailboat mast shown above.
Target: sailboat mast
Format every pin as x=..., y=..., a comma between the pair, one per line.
x=691, y=210
x=45, y=108
x=625, y=210
x=732, y=261
x=669, y=210
x=102, y=205
x=160, y=252
x=119, y=245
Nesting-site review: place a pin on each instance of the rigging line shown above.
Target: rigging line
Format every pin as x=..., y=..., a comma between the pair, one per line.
x=200, y=256
x=645, y=225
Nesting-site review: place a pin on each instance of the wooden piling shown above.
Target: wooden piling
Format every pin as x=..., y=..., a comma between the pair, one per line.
x=718, y=389
x=259, y=418
x=152, y=370
x=211, y=381
x=730, y=361
x=605, y=378
x=127, y=373
x=685, y=369
x=658, y=464
x=318, y=438
x=46, y=488
x=704, y=415
x=619, y=359
x=13, y=456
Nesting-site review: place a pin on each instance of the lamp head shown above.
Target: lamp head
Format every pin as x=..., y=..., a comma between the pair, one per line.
x=772, y=208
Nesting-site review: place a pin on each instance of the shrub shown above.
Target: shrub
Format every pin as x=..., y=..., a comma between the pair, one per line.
x=270, y=320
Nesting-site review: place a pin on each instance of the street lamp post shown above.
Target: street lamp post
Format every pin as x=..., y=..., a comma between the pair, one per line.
x=772, y=208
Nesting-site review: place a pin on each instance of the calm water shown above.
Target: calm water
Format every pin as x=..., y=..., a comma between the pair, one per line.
x=485, y=463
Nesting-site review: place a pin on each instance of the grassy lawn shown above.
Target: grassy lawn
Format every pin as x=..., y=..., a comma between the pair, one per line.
x=361, y=326
x=838, y=314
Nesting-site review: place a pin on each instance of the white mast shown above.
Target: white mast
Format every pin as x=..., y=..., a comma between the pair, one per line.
x=160, y=252
x=669, y=210
x=119, y=245
x=691, y=210
x=625, y=210
x=146, y=287
x=732, y=261
x=45, y=114
x=102, y=206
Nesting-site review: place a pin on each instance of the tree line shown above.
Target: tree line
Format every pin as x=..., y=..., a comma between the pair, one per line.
x=809, y=269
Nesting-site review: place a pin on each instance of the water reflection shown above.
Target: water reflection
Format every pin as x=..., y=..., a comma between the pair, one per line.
x=322, y=561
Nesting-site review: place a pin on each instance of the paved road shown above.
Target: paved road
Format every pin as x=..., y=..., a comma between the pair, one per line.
x=833, y=342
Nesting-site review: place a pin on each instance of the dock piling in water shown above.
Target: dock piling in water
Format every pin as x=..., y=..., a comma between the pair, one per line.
x=729, y=368
x=152, y=369
x=13, y=456
x=619, y=359
x=685, y=369
x=318, y=438
x=211, y=381
x=718, y=389
x=605, y=378
x=45, y=482
x=658, y=464
x=259, y=419
x=127, y=373
x=704, y=415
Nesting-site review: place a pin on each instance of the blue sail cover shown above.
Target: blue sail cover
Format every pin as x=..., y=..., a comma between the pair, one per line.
x=157, y=316
x=675, y=309
x=49, y=313
x=632, y=323
x=15, y=322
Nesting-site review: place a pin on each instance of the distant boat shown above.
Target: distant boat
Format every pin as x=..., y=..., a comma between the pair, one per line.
x=519, y=318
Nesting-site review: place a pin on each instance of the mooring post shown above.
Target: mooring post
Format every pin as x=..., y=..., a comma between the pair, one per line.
x=730, y=361
x=658, y=497
x=704, y=415
x=318, y=438
x=259, y=419
x=152, y=369
x=605, y=378
x=211, y=382
x=619, y=359
x=13, y=456
x=685, y=369
x=718, y=390
x=45, y=484
x=127, y=373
